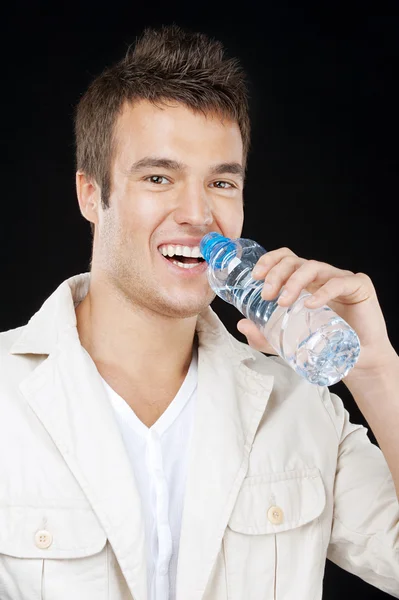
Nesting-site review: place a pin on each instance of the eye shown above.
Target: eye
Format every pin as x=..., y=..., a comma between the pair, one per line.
x=157, y=179
x=222, y=185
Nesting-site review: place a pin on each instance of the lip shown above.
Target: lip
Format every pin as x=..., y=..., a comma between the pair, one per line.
x=185, y=273
x=191, y=242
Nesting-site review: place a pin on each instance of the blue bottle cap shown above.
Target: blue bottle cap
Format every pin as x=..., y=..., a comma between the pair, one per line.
x=209, y=241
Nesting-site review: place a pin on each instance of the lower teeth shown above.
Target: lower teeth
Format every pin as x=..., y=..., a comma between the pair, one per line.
x=185, y=265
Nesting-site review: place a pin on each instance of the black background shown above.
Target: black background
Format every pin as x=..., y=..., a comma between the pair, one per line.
x=323, y=168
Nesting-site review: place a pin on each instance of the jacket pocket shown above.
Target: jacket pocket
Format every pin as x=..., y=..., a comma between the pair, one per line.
x=273, y=542
x=52, y=553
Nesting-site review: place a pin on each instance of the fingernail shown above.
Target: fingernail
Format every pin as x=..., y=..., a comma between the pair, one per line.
x=257, y=271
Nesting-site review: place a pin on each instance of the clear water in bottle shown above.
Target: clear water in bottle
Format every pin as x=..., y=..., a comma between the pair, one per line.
x=317, y=343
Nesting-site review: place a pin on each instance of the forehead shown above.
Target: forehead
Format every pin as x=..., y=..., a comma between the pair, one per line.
x=176, y=131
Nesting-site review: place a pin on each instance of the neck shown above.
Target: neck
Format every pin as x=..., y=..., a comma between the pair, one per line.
x=138, y=343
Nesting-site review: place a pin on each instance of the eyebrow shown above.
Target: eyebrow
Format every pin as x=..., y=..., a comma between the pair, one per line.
x=234, y=168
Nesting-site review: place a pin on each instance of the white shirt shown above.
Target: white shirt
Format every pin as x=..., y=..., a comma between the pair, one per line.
x=159, y=458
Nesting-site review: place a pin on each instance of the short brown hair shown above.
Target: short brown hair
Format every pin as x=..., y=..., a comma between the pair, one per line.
x=165, y=64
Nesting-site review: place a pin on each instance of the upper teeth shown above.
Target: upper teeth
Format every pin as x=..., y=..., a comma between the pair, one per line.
x=169, y=250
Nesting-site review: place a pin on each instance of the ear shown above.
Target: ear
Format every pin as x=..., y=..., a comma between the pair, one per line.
x=89, y=195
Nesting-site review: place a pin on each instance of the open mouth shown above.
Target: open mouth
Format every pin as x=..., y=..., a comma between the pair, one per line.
x=184, y=260
x=186, y=265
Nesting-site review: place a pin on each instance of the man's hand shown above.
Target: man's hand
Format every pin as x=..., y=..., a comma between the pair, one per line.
x=351, y=295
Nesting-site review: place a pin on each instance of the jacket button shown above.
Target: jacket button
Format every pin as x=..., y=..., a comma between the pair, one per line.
x=43, y=538
x=275, y=515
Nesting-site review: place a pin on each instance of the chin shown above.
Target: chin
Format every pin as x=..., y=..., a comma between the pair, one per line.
x=186, y=310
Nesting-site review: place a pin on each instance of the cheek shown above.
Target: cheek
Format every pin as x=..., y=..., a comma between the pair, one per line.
x=138, y=213
x=230, y=220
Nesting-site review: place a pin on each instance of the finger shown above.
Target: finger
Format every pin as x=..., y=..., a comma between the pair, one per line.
x=278, y=275
x=311, y=276
x=254, y=337
x=349, y=289
x=268, y=260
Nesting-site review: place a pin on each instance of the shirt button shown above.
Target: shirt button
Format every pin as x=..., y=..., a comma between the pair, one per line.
x=275, y=515
x=43, y=538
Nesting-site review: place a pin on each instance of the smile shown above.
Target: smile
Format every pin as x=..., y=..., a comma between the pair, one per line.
x=191, y=267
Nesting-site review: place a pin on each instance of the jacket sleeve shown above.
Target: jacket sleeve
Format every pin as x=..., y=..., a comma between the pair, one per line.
x=365, y=530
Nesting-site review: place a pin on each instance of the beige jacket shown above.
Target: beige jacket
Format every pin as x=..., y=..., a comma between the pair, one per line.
x=279, y=479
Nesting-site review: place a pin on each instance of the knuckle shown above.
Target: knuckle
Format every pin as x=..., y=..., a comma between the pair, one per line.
x=363, y=276
x=313, y=263
x=297, y=275
x=290, y=252
x=334, y=280
x=273, y=273
x=290, y=259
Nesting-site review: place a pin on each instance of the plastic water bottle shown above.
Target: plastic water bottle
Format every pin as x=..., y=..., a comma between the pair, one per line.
x=317, y=343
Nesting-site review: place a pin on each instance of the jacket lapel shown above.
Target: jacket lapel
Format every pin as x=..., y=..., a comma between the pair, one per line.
x=67, y=395
x=231, y=401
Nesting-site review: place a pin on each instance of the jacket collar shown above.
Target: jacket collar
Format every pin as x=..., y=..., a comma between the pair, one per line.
x=54, y=318
x=75, y=412
x=57, y=316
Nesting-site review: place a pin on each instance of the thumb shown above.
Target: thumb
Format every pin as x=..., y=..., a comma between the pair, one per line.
x=254, y=337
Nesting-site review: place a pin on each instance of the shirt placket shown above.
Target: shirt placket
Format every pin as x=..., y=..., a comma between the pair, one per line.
x=158, y=480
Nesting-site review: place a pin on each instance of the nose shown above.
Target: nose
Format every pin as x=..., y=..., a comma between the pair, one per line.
x=194, y=206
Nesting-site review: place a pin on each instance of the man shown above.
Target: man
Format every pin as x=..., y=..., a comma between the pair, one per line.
x=146, y=453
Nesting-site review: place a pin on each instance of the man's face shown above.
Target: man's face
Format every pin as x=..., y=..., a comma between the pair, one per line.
x=186, y=184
